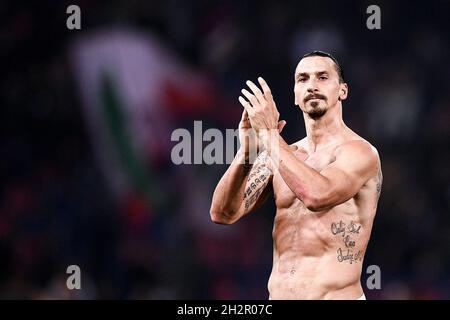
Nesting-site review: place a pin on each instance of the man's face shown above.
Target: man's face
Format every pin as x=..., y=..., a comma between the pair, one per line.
x=317, y=86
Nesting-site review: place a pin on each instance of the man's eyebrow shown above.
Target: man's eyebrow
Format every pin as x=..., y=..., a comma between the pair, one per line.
x=301, y=74
x=305, y=74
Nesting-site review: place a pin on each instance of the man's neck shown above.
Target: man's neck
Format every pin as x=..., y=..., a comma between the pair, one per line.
x=324, y=130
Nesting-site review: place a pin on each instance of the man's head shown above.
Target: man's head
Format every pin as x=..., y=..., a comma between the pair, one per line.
x=319, y=83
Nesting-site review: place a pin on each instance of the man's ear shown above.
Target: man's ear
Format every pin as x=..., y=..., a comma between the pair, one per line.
x=343, y=92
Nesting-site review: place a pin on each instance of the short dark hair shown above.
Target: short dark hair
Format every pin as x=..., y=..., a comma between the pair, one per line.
x=319, y=53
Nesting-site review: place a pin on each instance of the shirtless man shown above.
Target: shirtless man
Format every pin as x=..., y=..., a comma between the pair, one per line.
x=326, y=186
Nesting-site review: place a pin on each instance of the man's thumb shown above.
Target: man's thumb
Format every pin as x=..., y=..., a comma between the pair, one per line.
x=281, y=125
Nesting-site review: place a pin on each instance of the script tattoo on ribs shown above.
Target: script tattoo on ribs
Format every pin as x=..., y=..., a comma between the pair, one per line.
x=347, y=231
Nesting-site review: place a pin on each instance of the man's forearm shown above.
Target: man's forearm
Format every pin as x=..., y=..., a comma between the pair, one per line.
x=227, y=198
x=306, y=183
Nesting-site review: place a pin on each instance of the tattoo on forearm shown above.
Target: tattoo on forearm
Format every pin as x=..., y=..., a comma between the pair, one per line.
x=347, y=231
x=256, y=171
x=250, y=201
x=256, y=183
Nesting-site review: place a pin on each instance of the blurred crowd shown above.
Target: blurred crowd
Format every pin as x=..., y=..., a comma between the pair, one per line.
x=62, y=204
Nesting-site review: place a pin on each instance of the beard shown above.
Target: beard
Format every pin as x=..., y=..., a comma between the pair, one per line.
x=317, y=111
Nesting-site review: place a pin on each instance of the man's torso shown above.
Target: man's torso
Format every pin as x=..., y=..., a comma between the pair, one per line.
x=320, y=254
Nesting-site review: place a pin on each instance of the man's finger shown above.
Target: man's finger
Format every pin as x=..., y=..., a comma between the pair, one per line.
x=266, y=89
x=244, y=115
x=258, y=93
x=247, y=106
x=281, y=125
x=254, y=102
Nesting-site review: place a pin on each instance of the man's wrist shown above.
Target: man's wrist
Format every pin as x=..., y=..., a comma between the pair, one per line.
x=241, y=155
x=269, y=139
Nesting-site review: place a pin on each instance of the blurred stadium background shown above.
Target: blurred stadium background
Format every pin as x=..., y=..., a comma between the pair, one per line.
x=87, y=116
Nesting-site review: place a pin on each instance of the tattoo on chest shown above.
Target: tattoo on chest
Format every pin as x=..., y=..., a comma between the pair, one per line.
x=346, y=232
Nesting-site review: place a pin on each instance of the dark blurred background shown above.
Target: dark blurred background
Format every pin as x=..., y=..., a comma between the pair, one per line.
x=87, y=117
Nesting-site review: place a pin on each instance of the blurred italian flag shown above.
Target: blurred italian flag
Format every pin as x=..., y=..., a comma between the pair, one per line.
x=133, y=90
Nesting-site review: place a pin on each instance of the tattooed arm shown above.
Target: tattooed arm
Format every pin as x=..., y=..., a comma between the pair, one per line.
x=243, y=188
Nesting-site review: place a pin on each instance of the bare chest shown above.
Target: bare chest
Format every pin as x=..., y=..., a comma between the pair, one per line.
x=284, y=197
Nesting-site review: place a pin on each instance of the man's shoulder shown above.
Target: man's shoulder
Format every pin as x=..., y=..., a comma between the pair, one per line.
x=358, y=145
x=360, y=153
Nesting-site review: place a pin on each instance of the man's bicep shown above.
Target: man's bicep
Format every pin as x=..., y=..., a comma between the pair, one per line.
x=354, y=165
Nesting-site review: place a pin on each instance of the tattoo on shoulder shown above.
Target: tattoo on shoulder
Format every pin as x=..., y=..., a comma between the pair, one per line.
x=379, y=182
x=346, y=232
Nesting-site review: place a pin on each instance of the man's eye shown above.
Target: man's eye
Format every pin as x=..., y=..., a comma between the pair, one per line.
x=302, y=79
x=323, y=78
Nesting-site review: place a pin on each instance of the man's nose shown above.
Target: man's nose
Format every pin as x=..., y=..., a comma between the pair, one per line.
x=312, y=89
x=312, y=86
